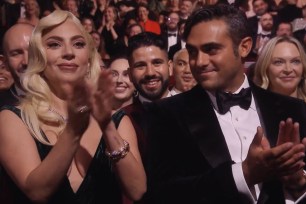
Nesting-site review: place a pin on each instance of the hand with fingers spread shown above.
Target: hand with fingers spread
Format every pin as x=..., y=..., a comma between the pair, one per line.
x=295, y=183
x=102, y=99
x=265, y=163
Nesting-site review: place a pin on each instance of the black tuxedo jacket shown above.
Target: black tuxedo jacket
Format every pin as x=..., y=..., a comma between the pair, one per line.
x=188, y=158
x=173, y=49
x=164, y=35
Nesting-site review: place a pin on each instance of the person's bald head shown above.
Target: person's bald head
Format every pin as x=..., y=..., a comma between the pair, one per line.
x=15, y=48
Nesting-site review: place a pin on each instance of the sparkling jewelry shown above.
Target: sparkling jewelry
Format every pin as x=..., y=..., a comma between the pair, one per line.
x=65, y=119
x=82, y=109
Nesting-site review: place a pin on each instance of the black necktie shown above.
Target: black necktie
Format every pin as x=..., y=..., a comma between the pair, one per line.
x=226, y=100
x=171, y=34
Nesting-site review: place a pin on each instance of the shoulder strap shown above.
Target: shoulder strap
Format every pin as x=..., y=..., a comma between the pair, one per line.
x=117, y=117
x=11, y=108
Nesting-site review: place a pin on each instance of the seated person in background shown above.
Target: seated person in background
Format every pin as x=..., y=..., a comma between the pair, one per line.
x=267, y=25
x=66, y=147
x=15, y=51
x=143, y=19
x=6, y=78
x=183, y=79
x=124, y=88
x=284, y=28
x=281, y=67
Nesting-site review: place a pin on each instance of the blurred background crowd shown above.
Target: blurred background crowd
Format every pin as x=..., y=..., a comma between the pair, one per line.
x=112, y=22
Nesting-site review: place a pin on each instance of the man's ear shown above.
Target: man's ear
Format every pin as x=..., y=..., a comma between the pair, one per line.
x=245, y=46
x=170, y=67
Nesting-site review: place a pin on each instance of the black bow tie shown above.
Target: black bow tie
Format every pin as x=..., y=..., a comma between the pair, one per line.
x=171, y=34
x=226, y=100
x=265, y=35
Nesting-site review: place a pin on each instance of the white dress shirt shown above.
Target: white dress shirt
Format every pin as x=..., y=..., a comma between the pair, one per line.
x=239, y=127
x=238, y=136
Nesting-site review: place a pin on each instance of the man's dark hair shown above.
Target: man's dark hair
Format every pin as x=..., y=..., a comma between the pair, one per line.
x=234, y=18
x=145, y=39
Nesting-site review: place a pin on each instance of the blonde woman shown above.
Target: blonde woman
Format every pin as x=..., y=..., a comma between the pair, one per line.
x=281, y=67
x=60, y=145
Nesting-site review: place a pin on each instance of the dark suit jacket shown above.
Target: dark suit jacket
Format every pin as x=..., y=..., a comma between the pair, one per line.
x=188, y=158
x=164, y=35
x=173, y=49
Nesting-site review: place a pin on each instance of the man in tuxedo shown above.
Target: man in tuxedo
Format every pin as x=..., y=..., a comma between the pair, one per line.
x=150, y=72
x=267, y=25
x=181, y=43
x=223, y=141
x=171, y=31
x=15, y=49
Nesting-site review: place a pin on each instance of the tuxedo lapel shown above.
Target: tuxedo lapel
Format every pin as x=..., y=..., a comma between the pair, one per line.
x=203, y=125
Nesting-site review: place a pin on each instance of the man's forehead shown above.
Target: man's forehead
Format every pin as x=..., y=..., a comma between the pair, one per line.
x=146, y=51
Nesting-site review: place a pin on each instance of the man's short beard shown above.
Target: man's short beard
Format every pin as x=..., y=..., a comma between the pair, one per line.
x=153, y=96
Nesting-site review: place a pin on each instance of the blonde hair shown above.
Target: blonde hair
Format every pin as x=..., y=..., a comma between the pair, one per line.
x=265, y=58
x=35, y=106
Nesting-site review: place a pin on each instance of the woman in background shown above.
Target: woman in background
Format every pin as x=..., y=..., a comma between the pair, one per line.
x=32, y=12
x=281, y=67
x=124, y=88
x=65, y=146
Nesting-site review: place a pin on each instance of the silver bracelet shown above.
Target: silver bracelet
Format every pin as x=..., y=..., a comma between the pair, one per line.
x=116, y=155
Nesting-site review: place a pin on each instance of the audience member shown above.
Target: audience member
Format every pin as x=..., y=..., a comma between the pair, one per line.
x=180, y=44
x=15, y=50
x=183, y=79
x=266, y=23
x=143, y=18
x=124, y=88
x=204, y=150
x=60, y=124
x=186, y=7
x=173, y=5
x=99, y=44
x=88, y=24
x=284, y=29
x=32, y=13
x=149, y=71
x=260, y=7
x=281, y=67
x=170, y=33
x=6, y=78
x=121, y=44
x=72, y=6
x=110, y=29
x=99, y=13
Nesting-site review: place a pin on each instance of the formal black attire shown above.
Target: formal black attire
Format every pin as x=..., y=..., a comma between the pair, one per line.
x=165, y=37
x=173, y=49
x=188, y=160
x=98, y=186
